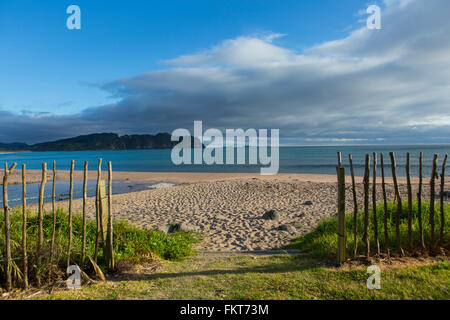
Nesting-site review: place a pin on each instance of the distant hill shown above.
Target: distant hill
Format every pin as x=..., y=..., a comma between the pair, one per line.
x=98, y=141
x=13, y=146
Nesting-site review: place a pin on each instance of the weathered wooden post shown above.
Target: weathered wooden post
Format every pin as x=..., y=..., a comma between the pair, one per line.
x=40, y=219
x=103, y=213
x=366, y=205
x=7, y=231
x=110, y=220
x=69, y=245
x=41, y=211
x=432, y=200
x=52, y=243
x=24, y=227
x=408, y=182
x=399, y=203
x=374, y=203
x=83, y=241
x=441, y=233
x=355, y=209
x=419, y=203
x=97, y=208
x=341, y=252
x=385, y=218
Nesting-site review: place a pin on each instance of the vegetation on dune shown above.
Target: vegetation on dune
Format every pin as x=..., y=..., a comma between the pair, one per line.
x=131, y=243
x=322, y=241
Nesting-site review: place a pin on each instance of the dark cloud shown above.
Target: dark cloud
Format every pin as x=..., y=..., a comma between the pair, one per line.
x=375, y=86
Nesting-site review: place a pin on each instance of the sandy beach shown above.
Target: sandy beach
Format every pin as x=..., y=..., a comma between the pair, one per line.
x=228, y=208
x=34, y=176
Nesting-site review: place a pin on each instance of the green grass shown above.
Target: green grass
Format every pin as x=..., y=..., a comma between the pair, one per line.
x=277, y=277
x=130, y=242
x=322, y=241
x=303, y=276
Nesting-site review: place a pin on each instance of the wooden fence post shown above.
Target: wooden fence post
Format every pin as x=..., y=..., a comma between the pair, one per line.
x=52, y=243
x=110, y=220
x=97, y=208
x=441, y=234
x=374, y=203
x=399, y=203
x=432, y=200
x=419, y=203
x=24, y=227
x=385, y=218
x=41, y=211
x=408, y=182
x=7, y=231
x=83, y=241
x=69, y=245
x=341, y=252
x=103, y=213
x=366, y=205
x=355, y=209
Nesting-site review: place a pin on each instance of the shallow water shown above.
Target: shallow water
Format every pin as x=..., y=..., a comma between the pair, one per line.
x=62, y=190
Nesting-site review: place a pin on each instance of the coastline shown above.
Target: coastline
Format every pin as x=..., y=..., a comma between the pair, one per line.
x=34, y=176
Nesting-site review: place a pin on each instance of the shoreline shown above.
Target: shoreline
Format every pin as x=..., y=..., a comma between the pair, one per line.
x=34, y=176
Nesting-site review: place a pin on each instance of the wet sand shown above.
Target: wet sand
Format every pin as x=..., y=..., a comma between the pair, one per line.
x=34, y=176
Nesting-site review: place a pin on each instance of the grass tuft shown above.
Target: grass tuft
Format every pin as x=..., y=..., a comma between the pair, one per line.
x=131, y=243
x=322, y=241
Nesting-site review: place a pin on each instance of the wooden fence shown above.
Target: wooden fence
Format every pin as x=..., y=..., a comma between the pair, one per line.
x=103, y=214
x=372, y=208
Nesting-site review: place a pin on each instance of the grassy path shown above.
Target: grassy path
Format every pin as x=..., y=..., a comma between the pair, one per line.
x=270, y=277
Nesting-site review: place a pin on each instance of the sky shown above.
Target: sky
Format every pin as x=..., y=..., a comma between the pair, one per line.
x=311, y=69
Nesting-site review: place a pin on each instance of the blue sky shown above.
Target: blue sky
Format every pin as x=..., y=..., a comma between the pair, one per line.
x=310, y=68
x=48, y=68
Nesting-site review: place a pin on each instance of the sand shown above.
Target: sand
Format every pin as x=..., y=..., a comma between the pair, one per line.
x=34, y=176
x=228, y=208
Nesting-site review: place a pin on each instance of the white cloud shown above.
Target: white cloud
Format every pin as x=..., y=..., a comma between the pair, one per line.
x=239, y=52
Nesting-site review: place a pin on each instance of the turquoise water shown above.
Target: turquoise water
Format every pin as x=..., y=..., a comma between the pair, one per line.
x=292, y=159
x=62, y=189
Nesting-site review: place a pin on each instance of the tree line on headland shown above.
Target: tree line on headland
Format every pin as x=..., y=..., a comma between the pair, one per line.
x=98, y=141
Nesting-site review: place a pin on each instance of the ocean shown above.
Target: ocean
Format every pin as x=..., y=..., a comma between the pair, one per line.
x=315, y=159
